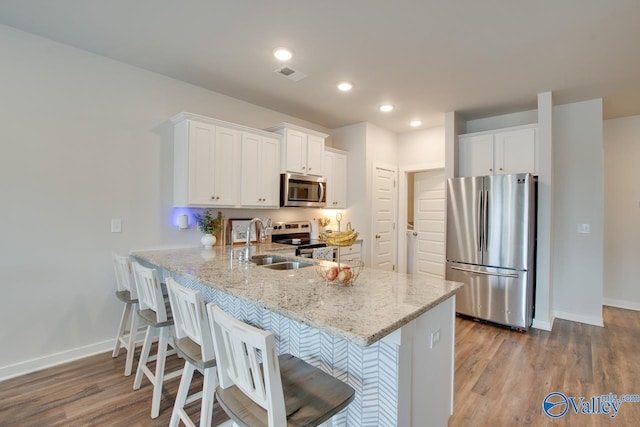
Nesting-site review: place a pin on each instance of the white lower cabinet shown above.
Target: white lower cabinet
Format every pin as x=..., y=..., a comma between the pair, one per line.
x=351, y=252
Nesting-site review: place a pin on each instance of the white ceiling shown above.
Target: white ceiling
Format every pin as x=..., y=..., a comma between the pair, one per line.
x=427, y=57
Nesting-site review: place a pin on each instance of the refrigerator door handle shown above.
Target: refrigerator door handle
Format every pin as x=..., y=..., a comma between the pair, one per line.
x=486, y=273
x=480, y=222
x=485, y=232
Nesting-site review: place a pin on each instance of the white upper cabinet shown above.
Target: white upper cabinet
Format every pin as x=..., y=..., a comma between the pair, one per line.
x=302, y=149
x=260, y=171
x=205, y=164
x=210, y=166
x=505, y=151
x=335, y=170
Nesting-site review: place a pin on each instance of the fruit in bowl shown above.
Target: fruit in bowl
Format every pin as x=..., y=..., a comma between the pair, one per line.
x=343, y=273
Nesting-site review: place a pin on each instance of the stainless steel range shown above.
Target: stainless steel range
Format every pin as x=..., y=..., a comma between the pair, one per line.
x=298, y=234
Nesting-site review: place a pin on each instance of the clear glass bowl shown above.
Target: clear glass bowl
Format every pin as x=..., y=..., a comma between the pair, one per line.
x=342, y=273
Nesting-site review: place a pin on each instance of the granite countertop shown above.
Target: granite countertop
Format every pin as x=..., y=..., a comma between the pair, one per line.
x=378, y=303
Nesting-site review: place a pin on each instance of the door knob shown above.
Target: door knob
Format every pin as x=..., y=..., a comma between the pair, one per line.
x=377, y=236
x=415, y=233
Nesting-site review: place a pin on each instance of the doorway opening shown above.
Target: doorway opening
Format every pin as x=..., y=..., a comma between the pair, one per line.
x=421, y=237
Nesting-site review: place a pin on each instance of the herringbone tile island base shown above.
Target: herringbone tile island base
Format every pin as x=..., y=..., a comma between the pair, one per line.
x=501, y=378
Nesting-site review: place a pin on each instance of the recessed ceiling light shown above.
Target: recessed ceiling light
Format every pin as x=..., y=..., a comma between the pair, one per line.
x=283, y=54
x=385, y=108
x=415, y=123
x=345, y=86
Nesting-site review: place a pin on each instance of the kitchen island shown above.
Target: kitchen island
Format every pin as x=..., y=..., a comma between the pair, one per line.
x=390, y=336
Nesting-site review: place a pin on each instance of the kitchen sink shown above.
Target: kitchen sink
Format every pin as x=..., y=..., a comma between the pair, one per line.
x=267, y=259
x=287, y=265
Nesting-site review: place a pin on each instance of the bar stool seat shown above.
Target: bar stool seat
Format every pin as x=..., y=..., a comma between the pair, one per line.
x=282, y=390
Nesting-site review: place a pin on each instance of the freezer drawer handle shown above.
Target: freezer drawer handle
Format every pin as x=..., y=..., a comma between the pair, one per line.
x=513, y=275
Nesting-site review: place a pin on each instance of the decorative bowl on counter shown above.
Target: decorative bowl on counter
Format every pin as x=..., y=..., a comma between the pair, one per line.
x=345, y=272
x=339, y=238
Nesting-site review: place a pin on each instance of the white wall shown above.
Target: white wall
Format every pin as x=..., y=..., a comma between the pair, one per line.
x=622, y=212
x=421, y=147
x=579, y=199
x=85, y=139
x=503, y=121
x=367, y=144
x=353, y=138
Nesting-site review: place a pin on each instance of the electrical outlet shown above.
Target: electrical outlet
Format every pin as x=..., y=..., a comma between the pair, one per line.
x=116, y=225
x=584, y=228
x=435, y=338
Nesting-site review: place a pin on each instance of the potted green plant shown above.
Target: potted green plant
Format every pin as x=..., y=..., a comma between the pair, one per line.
x=209, y=225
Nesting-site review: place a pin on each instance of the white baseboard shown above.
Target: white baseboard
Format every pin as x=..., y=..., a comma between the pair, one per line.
x=543, y=324
x=39, y=363
x=589, y=320
x=629, y=305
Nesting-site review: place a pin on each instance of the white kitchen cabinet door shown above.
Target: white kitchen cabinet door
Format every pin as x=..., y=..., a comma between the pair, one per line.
x=296, y=152
x=315, y=155
x=515, y=151
x=200, y=146
x=351, y=252
x=225, y=167
x=335, y=170
x=260, y=171
x=475, y=155
x=270, y=176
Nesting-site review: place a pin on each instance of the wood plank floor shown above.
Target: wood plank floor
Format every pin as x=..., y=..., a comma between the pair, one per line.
x=501, y=378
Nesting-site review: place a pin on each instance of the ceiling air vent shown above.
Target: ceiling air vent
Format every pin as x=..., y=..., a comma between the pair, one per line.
x=290, y=73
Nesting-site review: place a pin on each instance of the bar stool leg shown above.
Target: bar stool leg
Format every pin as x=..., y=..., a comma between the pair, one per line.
x=144, y=357
x=158, y=381
x=183, y=393
x=126, y=312
x=131, y=346
x=208, y=393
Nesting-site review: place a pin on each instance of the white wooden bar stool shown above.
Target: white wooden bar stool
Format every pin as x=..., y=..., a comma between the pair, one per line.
x=194, y=343
x=155, y=312
x=282, y=391
x=126, y=292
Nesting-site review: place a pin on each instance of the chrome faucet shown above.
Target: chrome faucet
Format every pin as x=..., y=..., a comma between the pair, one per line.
x=251, y=224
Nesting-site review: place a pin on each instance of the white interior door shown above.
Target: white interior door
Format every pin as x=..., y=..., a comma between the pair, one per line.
x=384, y=217
x=429, y=223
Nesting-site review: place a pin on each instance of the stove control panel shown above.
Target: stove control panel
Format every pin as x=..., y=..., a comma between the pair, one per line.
x=291, y=227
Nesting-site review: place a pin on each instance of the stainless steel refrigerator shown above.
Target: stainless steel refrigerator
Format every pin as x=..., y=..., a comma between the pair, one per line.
x=491, y=225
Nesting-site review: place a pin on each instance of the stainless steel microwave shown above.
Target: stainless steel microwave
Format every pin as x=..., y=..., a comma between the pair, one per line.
x=303, y=191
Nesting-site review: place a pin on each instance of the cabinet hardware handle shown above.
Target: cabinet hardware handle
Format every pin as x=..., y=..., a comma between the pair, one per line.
x=304, y=167
x=501, y=169
x=490, y=169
